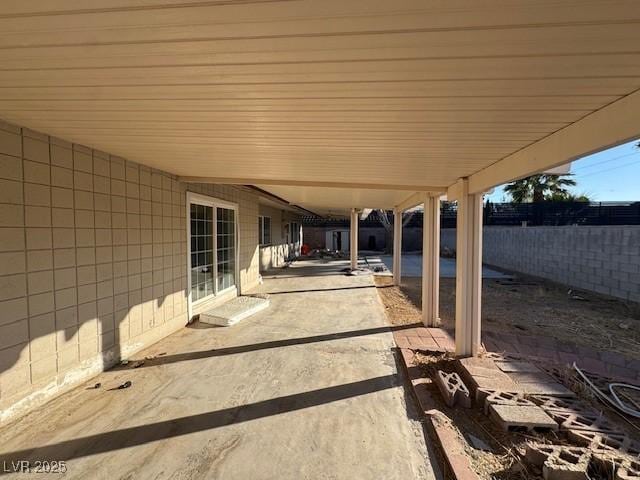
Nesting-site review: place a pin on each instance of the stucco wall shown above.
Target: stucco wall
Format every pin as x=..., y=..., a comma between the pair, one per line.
x=92, y=261
x=603, y=259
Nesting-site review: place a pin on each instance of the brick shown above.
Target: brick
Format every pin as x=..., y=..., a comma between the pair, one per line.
x=11, y=215
x=10, y=144
x=82, y=162
x=37, y=216
x=61, y=156
x=11, y=192
x=65, y=319
x=12, y=263
x=41, y=303
x=35, y=172
x=35, y=150
x=14, y=333
x=39, y=282
x=83, y=181
x=12, y=310
x=37, y=195
x=64, y=237
x=12, y=239
x=44, y=369
x=13, y=286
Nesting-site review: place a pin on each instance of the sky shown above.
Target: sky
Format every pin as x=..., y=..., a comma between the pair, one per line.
x=610, y=175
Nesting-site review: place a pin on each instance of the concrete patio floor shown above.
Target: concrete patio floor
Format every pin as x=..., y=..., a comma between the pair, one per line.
x=307, y=389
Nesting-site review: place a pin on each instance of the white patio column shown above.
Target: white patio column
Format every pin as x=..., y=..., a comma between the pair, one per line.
x=397, y=247
x=468, y=271
x=431, y=261
x=353, y=239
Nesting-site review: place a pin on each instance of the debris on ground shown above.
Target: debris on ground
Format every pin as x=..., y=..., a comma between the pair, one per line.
x=124, y=385
x=517, y=434
x=97, y=385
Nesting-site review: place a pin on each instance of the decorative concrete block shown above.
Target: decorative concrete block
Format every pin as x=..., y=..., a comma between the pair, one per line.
x=505, y=398
x=453, y=389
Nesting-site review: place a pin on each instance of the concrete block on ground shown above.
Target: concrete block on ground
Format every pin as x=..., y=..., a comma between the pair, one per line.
x=522, y=417
x=616, y=442
x=567, y=464
x=550, y=402
x=505, y=398
x=482, y=374
x=540, y=383
x=537, y=453
x=559, y=462
x=453, y=389
x=234, y=310
x=629, y=470
x=517, y=366
x=572, y=419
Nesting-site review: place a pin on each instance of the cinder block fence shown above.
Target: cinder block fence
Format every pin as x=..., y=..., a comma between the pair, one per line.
x=603, y=259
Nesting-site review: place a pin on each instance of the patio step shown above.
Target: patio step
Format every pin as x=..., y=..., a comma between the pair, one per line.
x=231, y=312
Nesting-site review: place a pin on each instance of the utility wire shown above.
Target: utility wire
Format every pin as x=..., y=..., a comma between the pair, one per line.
x=607, y=160
x=610, y=169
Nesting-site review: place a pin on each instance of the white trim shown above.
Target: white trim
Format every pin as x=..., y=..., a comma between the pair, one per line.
x=214, y=203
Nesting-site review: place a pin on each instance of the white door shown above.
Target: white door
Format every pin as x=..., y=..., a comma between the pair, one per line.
x=213, y=255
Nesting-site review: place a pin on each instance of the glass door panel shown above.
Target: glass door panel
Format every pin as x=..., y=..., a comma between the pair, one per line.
x=201, y=251
x=226, y=248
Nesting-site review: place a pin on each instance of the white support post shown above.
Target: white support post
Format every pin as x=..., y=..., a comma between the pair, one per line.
x=468, y=271
x=353, y=239
x=397, y=247
x=431, y=262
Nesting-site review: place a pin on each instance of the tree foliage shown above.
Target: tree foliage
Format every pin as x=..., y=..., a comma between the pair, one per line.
x=541, y=187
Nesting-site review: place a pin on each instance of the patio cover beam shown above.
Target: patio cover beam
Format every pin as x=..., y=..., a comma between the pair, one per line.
x=312, y=183
x=611, y=125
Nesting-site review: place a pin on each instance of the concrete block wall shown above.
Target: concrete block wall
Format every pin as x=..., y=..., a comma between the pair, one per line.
x=603, y=259
x=92, y=261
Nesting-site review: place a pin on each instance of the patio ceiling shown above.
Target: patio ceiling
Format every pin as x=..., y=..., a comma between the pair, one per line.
x=326, y=103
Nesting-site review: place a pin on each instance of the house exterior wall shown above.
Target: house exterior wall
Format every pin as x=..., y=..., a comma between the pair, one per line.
x=93, y=261
x=603, y=259
x=315, y=237
x=278, y=251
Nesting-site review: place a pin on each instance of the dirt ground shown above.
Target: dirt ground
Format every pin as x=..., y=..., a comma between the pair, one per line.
x=529, y=305
x=521, y=305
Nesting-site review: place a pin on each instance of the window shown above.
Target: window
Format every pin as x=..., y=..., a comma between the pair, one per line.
x=295, y=232
x=212, y=246
x=264, y=230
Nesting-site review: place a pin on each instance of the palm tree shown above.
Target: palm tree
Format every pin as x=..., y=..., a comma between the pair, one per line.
x=538, y=188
